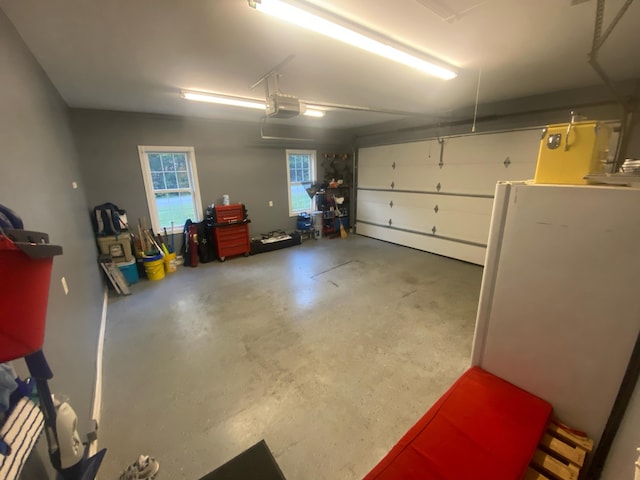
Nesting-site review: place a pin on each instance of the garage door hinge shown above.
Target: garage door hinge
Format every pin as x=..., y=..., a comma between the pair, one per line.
x=391, y=203
x=390, y=222
x=393, y=165
x=393, y=184
x=438, y=186
x=436, y=209
x=507, y=162
x=433, y=230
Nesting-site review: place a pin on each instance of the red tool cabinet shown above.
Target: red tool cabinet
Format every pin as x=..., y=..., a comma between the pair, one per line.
x=231, y=231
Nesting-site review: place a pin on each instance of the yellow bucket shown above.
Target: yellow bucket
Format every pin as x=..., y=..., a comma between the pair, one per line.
x=170, y=264
x=154, y=268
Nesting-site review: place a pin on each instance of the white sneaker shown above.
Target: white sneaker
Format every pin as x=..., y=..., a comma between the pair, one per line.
x=145, y=468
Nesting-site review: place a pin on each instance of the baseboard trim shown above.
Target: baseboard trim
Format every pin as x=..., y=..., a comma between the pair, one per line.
x=97, y=391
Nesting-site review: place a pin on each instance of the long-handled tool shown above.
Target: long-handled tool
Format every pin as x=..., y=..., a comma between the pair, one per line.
x=343, y=232
x=166, y=237
x=173, y=247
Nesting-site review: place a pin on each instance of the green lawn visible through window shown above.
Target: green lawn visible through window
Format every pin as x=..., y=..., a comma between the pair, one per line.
x=300, y=175
x=174, y=207
x=172, y=186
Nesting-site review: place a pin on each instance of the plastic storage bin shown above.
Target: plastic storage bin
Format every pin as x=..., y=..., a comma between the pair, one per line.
x=26, y=259
x=118, y=246
x=303, y=222
x=129, y=270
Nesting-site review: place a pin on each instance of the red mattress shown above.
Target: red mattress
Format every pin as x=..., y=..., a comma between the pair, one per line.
x=482, y=428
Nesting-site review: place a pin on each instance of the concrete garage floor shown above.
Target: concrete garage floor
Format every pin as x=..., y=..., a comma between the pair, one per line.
x=329, y=351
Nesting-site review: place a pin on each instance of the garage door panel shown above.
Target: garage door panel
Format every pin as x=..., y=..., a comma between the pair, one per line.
x=411, y=211
x=461, y=251
x=375, y=166
x=373, y=206
x=381, y=156
x=375, y=177
x=470, y=179
x=455, y=196
x=403, y=209
x=462, y=218
x=417, y=177
x=520, y=146
x=417, y=153
x=519, y=171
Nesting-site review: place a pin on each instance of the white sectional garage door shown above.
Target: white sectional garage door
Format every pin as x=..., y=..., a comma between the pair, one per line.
x=438, y=198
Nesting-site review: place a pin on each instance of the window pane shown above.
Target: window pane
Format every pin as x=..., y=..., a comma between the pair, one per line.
x=176, y=207
x=183, y=180
x=158, y=181
x=180, y=162
x=300, y=166
x=167, y=162
x=300, y=200
x=171, y=180
x=155, y=164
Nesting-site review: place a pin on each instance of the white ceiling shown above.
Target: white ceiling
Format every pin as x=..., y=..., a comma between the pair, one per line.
x=136, y=55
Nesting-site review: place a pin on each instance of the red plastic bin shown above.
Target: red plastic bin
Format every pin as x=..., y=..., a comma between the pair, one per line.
x=26, y=259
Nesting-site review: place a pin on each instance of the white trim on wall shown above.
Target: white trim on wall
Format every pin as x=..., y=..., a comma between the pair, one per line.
x=96, y=410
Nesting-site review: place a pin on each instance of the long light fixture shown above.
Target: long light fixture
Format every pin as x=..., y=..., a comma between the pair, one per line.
x=242, y=102
x=224, y=100
x=302, y=18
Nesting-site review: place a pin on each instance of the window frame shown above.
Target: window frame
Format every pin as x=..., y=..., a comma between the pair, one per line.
x=314, y=171
x=143, y=152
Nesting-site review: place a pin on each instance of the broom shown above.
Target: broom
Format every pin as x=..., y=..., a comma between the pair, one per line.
x=343, y=232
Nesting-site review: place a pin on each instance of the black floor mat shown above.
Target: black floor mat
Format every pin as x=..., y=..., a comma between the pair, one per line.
x=255, y=463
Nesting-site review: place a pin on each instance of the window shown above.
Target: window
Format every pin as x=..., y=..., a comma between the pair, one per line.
x=301, y=174
x=171, y=183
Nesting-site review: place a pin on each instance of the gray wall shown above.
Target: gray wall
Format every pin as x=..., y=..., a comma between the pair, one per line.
x=231, y=159
x=39, y=164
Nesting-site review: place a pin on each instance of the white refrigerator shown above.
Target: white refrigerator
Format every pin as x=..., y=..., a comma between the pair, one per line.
x=559, y=309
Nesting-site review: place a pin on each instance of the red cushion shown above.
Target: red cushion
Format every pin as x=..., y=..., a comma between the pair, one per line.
x=482, y=428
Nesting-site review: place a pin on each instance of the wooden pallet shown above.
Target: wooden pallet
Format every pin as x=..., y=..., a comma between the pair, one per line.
x=560, y=454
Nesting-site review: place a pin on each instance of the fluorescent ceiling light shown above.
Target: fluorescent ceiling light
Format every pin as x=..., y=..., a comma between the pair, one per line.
x=297, y=16
x=313, y=112
x=309, y=112
x=224, y=100
x=240, y=102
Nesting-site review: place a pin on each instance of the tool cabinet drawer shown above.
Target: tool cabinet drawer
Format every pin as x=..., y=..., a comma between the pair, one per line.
x=229, y=213
x=232, y=240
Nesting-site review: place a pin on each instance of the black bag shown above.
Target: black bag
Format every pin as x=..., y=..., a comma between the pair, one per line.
x=106, y=219
x=206, y=251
